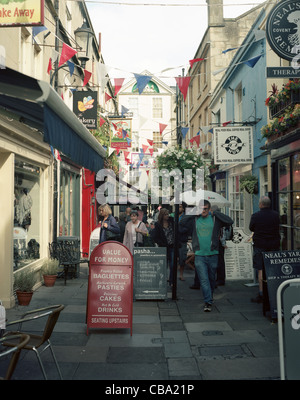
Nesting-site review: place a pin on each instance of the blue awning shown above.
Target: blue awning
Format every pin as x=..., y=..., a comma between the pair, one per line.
x=40, y=106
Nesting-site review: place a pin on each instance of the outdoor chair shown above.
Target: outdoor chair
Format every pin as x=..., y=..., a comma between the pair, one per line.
x=38, y=342
x=19, y=340
x=67, y=251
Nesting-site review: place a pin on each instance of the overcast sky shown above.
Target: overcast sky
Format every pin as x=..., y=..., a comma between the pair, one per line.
x=153, y=38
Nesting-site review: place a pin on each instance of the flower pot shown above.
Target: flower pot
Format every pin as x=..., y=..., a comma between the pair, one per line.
x=49, y=280
x=24, y=298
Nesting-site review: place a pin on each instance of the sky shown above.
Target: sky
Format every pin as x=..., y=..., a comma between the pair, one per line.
x=146, y=37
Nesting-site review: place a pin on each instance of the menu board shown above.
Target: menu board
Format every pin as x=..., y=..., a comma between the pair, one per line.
x=110, y=294
x=238, y=257
x=150, y=273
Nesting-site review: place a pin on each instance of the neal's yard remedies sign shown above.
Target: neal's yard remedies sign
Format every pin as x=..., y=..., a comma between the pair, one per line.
x=110, y=287
x=233, y=145
x=85, y=107
x=150, y=273
x=282, y=29
x=280, y=266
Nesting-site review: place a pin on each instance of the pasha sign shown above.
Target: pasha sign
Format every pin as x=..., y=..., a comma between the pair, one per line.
x=283, y=30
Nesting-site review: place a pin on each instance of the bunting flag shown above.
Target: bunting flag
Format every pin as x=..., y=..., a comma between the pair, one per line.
x=144, y=148
x=66, y=53
x=142, y=81
x=198, y=133
x=217, y=71
x=118, y=84
x=38, y=29
x=225, y=51
x=87, y=77
x=49, y=66
x=54, y=55
x=107, y=97
x=165, y=142
x=151, y=152
x=252, y=61
x=162, y=127
x=110, y=151
x=150, y=142
x=128, y=141
x=124, y=133
x=184, y=131
x=57, y=155
x=226, y=123
x=195, y=139
x=71, y=67
x=102, y=121
x=194, y=61
x=124, y=110
x=183, y=84
x=126, y=154
x=115, y=126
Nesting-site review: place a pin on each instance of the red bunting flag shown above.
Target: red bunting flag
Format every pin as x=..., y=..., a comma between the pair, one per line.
x=151, y=152
x=49, y=66
x=197, y=140
x=102, y=121
x=107, y=97
x=162, y=127
x=150, y=142
x=183, y=84
x=144, y=148
x=118, y=84
x=226, y=123
x=194, y=61
x=87, y=77
x=66, y=53
x=115, y=126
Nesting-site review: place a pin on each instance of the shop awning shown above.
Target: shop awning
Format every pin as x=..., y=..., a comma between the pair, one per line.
x=38, y=105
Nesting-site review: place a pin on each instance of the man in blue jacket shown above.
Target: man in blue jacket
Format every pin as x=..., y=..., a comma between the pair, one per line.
x=205, y=231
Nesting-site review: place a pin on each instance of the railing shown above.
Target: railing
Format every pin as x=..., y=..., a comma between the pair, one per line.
x=280, y=108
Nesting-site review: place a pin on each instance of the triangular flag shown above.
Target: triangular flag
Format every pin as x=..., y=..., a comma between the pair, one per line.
x=150, y=142
x=184, y=131
x=218, y=71
x=151, y=152
x=66, y=53
x=126, y=153
x=54, y=55
x=102, y=121
x=107, y=97
x=164, y=142
x=115, y=126
x=118, y=84
x=252, y=61
x=128, y=141
x=37, y=29
x=162, y=127
x=183, y=84
x=259, y=34
x=144, y=148
x=142, y=81
x=124, y=110
x=57, y=155
x=71, y=67
x=225, y=51
x=49, y=66
x=52, y=151
x=197, y=140
x=226, y=123
x=62, y=96
x=87, y=77
x=110, y=151
x=124, y=133
x=194, y=61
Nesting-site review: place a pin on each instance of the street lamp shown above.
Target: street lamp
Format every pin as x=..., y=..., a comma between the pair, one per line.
x=84, y=38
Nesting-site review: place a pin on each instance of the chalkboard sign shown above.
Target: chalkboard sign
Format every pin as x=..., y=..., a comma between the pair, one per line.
x=150, y=273
x=110, y=287
x=280, y=266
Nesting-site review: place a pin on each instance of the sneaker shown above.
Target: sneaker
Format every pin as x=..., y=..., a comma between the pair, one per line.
x=258, y=299
x=207, y=307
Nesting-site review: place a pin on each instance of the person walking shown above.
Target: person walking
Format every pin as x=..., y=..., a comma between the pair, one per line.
x=163, y=235
x=122, y=224
x=134, y=232
x=109, y=228
x=205, y=230
x=182, y=250
x=266, y=237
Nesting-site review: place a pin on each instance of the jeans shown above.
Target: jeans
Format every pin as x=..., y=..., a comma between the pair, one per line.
x=206, y=267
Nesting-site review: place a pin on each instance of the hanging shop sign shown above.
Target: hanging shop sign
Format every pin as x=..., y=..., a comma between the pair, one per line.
x=282, y=29
x=110, y=287
x=233, y=145
x=85, y=107
x=120, y=133
x=27, y=12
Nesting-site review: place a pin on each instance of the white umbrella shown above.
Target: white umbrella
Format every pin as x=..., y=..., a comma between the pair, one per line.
x=193, y=198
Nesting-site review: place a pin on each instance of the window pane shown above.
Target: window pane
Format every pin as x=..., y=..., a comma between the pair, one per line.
x=296, y=171
x=284, y=174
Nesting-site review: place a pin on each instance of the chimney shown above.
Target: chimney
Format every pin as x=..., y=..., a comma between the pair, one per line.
x=215, y=12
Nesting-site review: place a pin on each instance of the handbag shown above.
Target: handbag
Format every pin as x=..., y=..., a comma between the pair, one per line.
x=111, y=235
x=139, y=239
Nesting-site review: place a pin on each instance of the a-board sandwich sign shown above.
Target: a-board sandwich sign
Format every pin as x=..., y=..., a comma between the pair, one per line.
x=280, y=266
x=150, y=273
x=110, y=287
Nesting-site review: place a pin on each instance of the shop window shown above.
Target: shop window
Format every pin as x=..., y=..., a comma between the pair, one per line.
x=69, y=204
x=157, y=107
x=237, y=210
x=27, y=208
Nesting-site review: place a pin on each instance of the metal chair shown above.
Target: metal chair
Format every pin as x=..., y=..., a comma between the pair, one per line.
x=15, y=350
x=37, y=342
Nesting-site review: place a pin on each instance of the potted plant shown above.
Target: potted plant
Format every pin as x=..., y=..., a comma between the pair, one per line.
x=49, y=271
x=24, y=282
x=249, y=183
